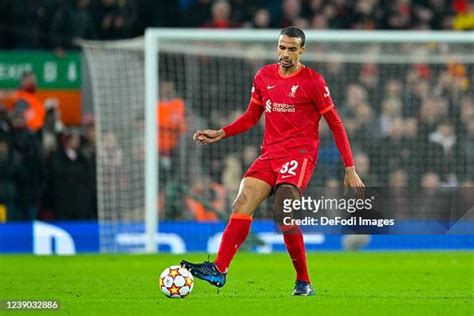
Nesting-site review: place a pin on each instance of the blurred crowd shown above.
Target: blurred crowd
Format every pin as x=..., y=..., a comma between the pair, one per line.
x=332, y=14
x=47, y=170
x=54, y=24
x=413, y=129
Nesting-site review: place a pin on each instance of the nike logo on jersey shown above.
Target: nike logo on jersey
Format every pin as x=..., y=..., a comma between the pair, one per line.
x=286, y=176
x=270, y=87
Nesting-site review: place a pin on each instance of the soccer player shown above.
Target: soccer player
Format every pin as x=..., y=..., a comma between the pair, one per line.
x=293, y=98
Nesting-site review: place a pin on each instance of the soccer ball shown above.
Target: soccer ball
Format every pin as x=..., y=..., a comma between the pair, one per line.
x=176, y=281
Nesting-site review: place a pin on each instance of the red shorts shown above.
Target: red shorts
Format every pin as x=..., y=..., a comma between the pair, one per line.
x=296, y=171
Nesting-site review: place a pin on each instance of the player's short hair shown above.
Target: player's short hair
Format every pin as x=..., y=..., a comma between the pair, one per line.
x=292, y=31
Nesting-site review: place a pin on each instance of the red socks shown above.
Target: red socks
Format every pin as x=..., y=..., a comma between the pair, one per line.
x=236, y=232
x=294, y=242
x=234, y=235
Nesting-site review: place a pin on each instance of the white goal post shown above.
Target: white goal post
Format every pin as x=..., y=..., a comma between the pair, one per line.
x=358, y=47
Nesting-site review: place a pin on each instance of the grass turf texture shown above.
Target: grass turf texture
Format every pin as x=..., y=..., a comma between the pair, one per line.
x=427, y=283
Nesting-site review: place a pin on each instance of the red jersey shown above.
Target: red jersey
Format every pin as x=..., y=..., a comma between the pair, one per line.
x=293, y=107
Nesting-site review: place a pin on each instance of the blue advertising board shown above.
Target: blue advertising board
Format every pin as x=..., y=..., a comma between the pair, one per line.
x=187, y=236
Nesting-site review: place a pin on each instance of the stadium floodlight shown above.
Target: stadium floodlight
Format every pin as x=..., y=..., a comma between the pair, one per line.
x=211, y=72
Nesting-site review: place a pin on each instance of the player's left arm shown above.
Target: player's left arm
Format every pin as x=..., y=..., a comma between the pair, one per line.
x=351, y=178
x=325, y=107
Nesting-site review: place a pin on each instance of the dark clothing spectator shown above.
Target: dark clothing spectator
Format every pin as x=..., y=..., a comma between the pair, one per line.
x=27, y=146
x=451, y=161
x=364, y=15
x=5, y=20
x=398, y=16
x=29, y=22
x=291, y=11
x=51, y=131
x=158, y=14
x=70, y=184
x=11, y=173
x=243, y=10
x=88, y=150
x=70, y=22
x=197, y=14
x=440, y=9
x=261, y=19
x=114, y=20
x=339, y=15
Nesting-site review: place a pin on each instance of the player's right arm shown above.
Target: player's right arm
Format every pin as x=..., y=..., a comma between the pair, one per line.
x=242, y=124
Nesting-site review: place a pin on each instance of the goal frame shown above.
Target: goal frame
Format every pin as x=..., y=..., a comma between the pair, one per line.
x=153, y=37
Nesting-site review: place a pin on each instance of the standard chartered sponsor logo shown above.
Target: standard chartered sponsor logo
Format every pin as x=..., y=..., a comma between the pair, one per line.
x=279, y=107
x=283, y=107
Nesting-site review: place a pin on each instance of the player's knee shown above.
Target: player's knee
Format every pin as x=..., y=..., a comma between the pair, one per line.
x=285, y=194
x=240, y=205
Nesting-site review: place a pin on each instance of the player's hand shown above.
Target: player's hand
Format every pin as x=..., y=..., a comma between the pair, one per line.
x=352, y=179
x=208, y=136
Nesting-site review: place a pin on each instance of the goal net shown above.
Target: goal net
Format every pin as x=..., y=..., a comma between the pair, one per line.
x=406, y=99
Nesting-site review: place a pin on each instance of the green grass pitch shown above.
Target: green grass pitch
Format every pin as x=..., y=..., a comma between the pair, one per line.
x=387, y=283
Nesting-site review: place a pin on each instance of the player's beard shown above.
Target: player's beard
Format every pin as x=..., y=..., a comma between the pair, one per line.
x=286, y=63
